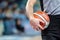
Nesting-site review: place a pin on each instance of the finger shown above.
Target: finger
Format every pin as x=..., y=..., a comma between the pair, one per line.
x=40, y=27
x=41, y=21
x=36, y=28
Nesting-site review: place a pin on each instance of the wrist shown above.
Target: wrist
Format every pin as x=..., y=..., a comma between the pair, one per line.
x=31, y=17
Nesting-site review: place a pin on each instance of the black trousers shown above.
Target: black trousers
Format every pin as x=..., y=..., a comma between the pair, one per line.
x=53, y=30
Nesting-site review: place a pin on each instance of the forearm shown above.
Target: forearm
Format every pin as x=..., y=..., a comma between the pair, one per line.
x=29, y=8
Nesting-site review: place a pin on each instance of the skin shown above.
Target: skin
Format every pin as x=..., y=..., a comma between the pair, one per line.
x=29, y=12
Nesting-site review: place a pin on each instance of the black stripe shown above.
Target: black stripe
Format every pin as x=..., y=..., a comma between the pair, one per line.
x=41, y=4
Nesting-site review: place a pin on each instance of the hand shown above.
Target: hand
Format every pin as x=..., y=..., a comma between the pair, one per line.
x=35, y=24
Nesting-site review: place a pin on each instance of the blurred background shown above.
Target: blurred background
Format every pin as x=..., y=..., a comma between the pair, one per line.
x=14, y=24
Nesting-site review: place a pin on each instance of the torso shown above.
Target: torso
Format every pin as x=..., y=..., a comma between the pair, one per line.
x=52, y=6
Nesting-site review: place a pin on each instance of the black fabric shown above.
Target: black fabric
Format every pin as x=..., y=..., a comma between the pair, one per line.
x=41, y=4
x=53, y=30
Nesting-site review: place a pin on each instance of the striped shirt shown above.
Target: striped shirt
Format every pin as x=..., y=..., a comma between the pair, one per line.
x=52, y=6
